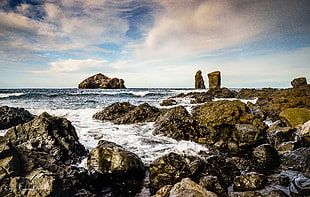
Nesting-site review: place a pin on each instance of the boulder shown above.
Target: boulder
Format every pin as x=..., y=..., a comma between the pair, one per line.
x=168, y=102
x=305, y=132
x=250, y=181
x=126, y=113
x=188, y=188
x=100, y=81
x=295, y=116
x=246, y=134
x=163, y=192
x=110, y=158
x=275, y=193
x=199, y=82
x=297, y=82
x=167, y=170
x=11, y=116
x=214, y=79
x=175, y=123
x=53, y=135
x=221, y=93
x=213, y=184
x=298, y=159
x=266, y=157
x=300, y=186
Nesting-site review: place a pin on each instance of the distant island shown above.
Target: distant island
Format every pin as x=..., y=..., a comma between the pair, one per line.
x=100, y=81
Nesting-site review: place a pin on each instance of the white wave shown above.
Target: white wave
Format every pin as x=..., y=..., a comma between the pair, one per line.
x=139, y=93
x=6, y=95
x=234, y=99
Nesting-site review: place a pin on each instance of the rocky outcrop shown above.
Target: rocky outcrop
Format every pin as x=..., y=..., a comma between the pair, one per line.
x=126, y=113
x=214, y=79
x=11, y=116
x=100, y=81
x=297, y=82
x=293, y=117
x=168, y=102
x=199, y=82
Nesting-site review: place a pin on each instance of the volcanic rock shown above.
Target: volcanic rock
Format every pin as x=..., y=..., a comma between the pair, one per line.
x=295, y=116
x=11, y=116
x=266, y=157
x=199, y=82
x=300, y=186
x=214, y=79
x=298, y=159
x=100, y=81
x=250, y=181
x=297, y=82
x=213, y=184
x=168, y=102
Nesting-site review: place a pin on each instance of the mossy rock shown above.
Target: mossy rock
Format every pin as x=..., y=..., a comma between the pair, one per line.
x=295, y=116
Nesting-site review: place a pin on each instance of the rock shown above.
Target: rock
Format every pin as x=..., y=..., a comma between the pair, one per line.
x=300, y=186
x=199, y=82
x=279, y=136
x=168, y=102
x=110, y=158
x=167, y=170
x=125, y=113
x=298, y=159
x=275, y=193
x=163, y=192
x=188, y=188
x=242, y=164
x=175, y=123
x=295, y=116
x=266, y=157
x=250, y=181
x=245, y=194
x=297, y=82
x=246, y=134
x=53, y=135
x=214, y=79
x=11, y=116
x=213, y=184
x=100, y=81
x=221, y=93
x=305, y=132
x=279, y=179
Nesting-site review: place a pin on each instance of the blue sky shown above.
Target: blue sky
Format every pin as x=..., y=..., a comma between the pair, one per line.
x=154, y=43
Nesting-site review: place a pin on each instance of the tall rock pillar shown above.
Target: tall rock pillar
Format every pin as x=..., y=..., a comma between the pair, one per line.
x=199, y=82
x=214, y=79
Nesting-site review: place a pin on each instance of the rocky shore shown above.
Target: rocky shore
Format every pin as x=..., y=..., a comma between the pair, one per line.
x=255, y=149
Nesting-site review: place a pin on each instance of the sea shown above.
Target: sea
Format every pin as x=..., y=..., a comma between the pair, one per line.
x=79, y=105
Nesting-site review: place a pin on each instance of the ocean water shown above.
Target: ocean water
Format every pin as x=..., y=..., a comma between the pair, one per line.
x=79, y=105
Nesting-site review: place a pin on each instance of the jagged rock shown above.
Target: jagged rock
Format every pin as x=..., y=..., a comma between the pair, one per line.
x=126, y=113
x=297, y=82
x=213, y=184
x=163, y=192
x=50, y=134
x=300, y=186
x=199, y=82
x=9, y=160
x=295, y=116
x=246, y=134
x=298, y=159
x=110, y=158
x=250, y=181
x=100, y=81
x=214, y=79
x=175, y=123
x=11, y=116
x=188, y=188
x=168, y=102
x=167, y=170
x=245, y=194
x=280, y=135
x=266, y=157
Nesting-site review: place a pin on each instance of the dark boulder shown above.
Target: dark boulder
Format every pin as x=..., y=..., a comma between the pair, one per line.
x=100, y=81
x=266, y=157
x=250, y=181
x=114, y=111
x=213, y=184
x=221, y=93
x=297, y=82
x=298, y=159
x=11, y=116
x=176, y=123
x=199, y=82
x=168, y=102
x=214, y=79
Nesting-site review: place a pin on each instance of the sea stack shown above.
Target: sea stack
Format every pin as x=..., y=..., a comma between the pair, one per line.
x=214, y=79
x=100, y=81
x=298, y=82
x=199, y=82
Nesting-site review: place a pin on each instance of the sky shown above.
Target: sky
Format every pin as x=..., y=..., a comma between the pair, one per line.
x=154, y=43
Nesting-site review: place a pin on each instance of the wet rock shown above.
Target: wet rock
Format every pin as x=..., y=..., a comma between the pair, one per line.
x=110, y=158
x=300, y=186
x=213, y=184
x=278, y=179
x=214, y=79
x=100, y=81
x=9, y=160
x=168, y=102
x=295, y=116
x=242, y=164
x=266, y=157
x=199, y=82
x=188, y=188
x=246, y=134
x=221, y=93
x=298, y=159
x=280, y=135
x=11, y=116
x=125, y=113
x=275, y=193
x=245, y=194
x=297, y=82
x=163, y=192
x=250, y=181
x=175, y=123
x=53, y=135
x=167, y=170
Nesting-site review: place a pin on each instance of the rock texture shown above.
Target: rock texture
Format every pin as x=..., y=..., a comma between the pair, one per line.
x=297, y=82
x=214, y=79
x=199, y=82
x=295, y=116
x=11, y=116
x=100, y=81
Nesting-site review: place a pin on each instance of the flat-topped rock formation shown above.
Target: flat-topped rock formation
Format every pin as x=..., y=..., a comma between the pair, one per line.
x=214, y=79
x=100, y=81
